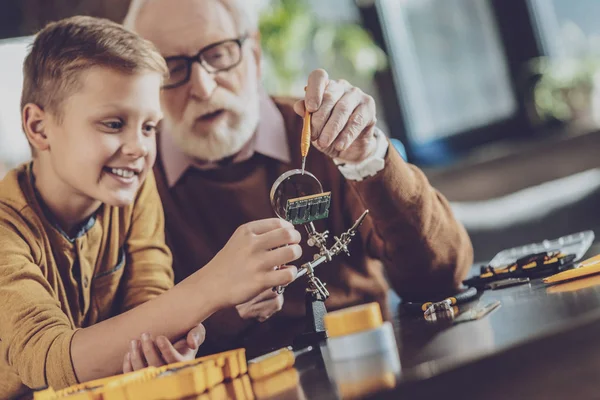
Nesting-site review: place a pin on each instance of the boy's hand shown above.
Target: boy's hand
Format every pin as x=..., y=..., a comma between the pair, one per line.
x=262, y=306
x=245, y=267
x=150, y=352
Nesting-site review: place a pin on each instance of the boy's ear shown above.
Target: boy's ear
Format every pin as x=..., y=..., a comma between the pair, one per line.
x=34, y=125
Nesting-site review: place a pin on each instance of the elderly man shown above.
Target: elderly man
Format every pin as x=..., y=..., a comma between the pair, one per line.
x=224, y=142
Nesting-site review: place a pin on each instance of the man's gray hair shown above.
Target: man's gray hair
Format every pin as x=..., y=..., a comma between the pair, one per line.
x=242, y=12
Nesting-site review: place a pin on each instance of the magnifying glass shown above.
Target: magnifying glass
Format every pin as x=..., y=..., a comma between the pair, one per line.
x=299, y=198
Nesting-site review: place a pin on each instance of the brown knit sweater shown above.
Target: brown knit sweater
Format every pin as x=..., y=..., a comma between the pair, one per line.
x=410, y=235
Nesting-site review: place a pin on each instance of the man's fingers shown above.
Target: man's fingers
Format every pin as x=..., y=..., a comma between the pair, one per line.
x=358, y=121
x=279, y=237
x=299, y=107
x=265, y=309
x=317, y=82
x=262, y=306
x=333, y=93
x=265, y=225
x=272, y=304
x=339, y=117
x=127, y=363
x=167, y=351
x=266, y=295
x=150, y=351
x=137, y=358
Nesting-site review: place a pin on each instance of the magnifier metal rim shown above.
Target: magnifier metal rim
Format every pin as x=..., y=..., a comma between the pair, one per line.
x=282, y=178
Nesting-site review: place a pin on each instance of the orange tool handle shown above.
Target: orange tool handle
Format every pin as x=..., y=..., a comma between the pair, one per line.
x=306, y=133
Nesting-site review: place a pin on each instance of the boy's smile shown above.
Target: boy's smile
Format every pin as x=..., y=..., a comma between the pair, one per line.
x=126, y=176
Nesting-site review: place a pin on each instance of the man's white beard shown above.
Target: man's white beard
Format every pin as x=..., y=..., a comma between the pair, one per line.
x=224, y=139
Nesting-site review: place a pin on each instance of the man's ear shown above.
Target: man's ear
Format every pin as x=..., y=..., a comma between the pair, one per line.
x=34, y=124
x=257, y=51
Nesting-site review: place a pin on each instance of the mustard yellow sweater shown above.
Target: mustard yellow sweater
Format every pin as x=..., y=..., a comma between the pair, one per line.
x=51, y=285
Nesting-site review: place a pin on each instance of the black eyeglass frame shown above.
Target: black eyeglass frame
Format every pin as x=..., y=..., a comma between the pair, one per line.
x=197, y=58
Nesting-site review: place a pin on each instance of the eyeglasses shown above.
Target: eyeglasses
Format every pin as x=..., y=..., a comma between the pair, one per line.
x=216, y=57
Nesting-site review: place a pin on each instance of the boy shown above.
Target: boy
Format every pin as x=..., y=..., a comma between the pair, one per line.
x=83, y=264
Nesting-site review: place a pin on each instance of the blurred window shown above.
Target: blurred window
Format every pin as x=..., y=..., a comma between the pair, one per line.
x=568, y=28
x=449, y=65
x=13, y=144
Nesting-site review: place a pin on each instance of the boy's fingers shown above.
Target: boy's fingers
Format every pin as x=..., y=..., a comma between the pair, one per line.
x=181, y=347
x=127, y=363
x=282, y=255
x=266, y=225
x=151, y=354
x=137, y=360
x=279, y=237
x=168, y=352
x=281, y=277
x=196, y=337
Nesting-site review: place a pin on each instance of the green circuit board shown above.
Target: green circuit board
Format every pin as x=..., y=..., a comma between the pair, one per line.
x=303, y=210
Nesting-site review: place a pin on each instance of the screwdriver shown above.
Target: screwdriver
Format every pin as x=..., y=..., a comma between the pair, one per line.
x=274, y=362
x=588, y=267
x=305, y=141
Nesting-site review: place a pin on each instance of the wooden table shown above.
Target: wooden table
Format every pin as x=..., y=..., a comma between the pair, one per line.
x=543, y=342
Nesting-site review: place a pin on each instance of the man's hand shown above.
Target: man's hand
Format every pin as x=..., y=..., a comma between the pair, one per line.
x=156, y=352
x=262, y=306
x=343, y=117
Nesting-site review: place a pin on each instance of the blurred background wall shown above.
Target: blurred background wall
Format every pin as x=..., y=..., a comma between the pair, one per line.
x=497, y=101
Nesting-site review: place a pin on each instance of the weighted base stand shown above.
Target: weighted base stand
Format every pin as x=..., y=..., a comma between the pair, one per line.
x=315, y=327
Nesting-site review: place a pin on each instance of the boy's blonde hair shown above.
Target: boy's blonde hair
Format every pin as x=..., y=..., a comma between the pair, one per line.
x=64, y=49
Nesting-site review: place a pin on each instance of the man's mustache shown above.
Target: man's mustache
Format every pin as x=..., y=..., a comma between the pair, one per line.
x=216, y=103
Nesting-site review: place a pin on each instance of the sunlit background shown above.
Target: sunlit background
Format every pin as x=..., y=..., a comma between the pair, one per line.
x=497, y=101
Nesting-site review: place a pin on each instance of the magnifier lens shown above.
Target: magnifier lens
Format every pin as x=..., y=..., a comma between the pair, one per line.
x=291, y=185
